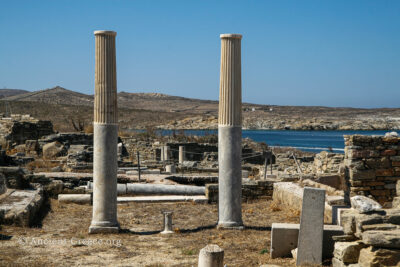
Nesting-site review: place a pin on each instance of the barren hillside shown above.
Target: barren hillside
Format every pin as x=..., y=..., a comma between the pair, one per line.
x=139, y=110
x=11, y=92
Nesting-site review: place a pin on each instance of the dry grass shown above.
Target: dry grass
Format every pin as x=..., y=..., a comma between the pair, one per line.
x=140, y=242
x=41, y=165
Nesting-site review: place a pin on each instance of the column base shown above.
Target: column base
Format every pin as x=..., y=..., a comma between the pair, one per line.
x=104, y=229
x=166, y=232
x=230, y=226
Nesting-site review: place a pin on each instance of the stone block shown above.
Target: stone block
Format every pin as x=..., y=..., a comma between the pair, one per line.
x=398, y=187
x=310, y=239
x=335, y=213
x=381, y=226
x=21, y=207
x=289, y=194
x=362, y=174
x=384, y=172
x=378, y=163
x=380, y=192
x=338, y=263
x=396, y=203
x=390, y=140
x=32, y=146
x=348, y=252
x=389, y=152
x=15, y=177
x=364, y=204
x=357, y=164
x=284, y=238
x=384, y=239
x=75, y=198
x=390, y=186
x=358, y=154
x=53, y=150
x=54, y=188
x=3, y=185
x=377, y=257
x=212, y=193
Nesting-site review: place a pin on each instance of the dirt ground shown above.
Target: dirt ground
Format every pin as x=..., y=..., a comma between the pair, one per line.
x=63, y=240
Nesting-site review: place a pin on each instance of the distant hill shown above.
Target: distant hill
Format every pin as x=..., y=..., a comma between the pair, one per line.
x=162, y=102
x=140, y=110
x=56, y=95
x=11, y=92
x=146, y=101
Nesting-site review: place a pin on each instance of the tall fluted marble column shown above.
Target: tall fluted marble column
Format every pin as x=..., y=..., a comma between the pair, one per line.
x=105, y=137
x=230, y=134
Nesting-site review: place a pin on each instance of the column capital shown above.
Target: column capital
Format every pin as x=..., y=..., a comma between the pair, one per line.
x=112, y=33
x=230, y=36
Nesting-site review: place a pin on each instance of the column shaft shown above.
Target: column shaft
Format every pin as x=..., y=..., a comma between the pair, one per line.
x=105, y=136
x=230, y=133
x=182, y=154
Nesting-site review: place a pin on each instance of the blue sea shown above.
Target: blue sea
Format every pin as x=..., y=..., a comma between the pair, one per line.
x=312, y=141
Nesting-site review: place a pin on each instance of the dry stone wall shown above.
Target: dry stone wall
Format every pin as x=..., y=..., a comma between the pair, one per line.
x=17, y=130
x=326, y=162
x=372, y=165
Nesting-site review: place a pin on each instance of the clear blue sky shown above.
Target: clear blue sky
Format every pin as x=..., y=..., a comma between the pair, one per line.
x=331, y=53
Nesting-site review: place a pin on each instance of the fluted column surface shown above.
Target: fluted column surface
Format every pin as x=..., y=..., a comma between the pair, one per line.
x=230, y=134
x=230, y=93
x=105, y=100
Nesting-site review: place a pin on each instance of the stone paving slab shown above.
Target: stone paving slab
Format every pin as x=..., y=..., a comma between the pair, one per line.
x=20, y=207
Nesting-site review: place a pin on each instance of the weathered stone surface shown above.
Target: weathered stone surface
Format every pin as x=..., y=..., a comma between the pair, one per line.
x=53, y=150
x=19, y=129
x=383, y=226
x=344, y=238
x=338, y=263
x=289, y=194
x=211, y=256
x=80, y=157
x=310, y=239
x=378, y=163
x=75, y=198
x=396, y=203
x=32, y=147
x=15, y=177
x=347, y=221
x=362, y=174
x=364, y=204
x=371, y=164
x=398, y=187
x=21, y=207
x=3, y=185
x=54, y=188
x=357, y=223
x=68, y=138
x=377, y=257
x=284, y=238
x=379, y=238
x=348, y=252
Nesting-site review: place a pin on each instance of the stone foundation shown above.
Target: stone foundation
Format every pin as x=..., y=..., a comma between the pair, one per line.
x=250, y=190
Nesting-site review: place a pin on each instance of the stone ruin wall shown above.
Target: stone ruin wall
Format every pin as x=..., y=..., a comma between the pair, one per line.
x=20, y=128
x=372, y=165
x=327, y=162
